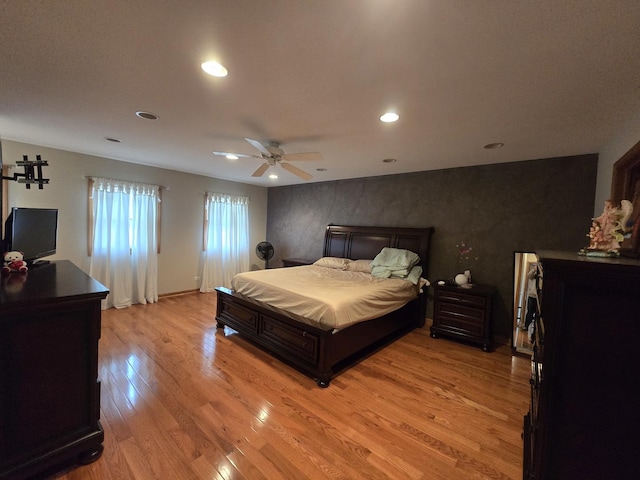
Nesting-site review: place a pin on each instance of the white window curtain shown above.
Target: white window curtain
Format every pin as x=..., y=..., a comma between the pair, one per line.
x=124, y=254
x=226, y=240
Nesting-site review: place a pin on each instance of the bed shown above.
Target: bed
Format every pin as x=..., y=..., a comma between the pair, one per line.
x=322, y=351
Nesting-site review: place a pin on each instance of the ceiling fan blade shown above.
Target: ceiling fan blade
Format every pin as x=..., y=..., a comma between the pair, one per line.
x=296, y=171
x=258, y=146
x=261, y=169
x=239, y=155
x=306, y=156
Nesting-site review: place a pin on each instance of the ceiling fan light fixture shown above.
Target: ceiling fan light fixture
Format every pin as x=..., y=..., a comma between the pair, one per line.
x=273, y=176
x=214, y=69
x=389, y=117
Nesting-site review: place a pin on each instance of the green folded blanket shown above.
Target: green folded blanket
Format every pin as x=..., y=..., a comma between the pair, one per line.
x=396, y=263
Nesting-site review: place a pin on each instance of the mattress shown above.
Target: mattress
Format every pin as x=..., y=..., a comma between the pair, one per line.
x=327, y=298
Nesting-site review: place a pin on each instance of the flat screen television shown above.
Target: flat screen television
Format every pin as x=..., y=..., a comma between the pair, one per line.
x=32, y=231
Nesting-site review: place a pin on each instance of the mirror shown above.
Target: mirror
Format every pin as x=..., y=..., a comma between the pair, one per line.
x=525, y=301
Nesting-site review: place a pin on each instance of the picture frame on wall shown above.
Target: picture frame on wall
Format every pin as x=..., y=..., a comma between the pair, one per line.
x=625, y=185
x=630, y=247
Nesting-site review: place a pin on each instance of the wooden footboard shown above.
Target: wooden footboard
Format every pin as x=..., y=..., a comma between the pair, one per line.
x=318, y=353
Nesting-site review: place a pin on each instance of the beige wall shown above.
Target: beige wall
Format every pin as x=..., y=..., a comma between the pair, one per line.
x=180, y=259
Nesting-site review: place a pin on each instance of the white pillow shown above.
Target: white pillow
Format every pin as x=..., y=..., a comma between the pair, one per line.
x=332, y=262
x=359, y=266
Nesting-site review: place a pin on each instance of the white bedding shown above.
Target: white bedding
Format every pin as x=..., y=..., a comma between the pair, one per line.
x=328, y=298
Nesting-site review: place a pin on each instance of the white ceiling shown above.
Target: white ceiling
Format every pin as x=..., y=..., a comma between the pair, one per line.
x=547, y=78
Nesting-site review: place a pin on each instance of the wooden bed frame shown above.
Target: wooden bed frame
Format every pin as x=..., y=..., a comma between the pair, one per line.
x=320, y=353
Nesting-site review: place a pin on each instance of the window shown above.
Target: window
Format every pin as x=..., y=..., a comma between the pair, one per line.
x=123, y=240
x=226, y=239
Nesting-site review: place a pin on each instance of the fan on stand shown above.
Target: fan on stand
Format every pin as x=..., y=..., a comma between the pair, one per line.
x=264, y=251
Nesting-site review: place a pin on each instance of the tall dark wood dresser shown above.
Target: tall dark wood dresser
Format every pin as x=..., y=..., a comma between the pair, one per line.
x=49, y=388
x=584, y=418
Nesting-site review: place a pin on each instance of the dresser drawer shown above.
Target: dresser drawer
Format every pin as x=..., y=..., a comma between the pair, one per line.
x=292, y=339
x=239, y=317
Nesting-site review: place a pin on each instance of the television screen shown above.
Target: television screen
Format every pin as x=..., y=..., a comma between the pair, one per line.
x=32, y=231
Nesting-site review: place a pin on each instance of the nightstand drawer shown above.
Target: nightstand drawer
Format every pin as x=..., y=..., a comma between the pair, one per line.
x=296, y=262
x=460, y=311
x=462, y=325
x=463, y=298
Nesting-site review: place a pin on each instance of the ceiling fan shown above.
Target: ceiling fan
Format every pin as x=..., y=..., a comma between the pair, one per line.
x=273, y=155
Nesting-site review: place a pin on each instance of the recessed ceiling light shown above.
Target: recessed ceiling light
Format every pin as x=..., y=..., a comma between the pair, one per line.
x=491, y=146
x=147, y=115
x=389, y=160
x=231, y=156
x=273, y=176
x=111, y=139
x=321, y=169
x=214, y=69
x=389, y=117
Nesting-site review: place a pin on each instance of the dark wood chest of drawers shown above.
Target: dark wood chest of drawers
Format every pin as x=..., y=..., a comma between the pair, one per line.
x=49, y=388
x=584, y=417
x=463, y=313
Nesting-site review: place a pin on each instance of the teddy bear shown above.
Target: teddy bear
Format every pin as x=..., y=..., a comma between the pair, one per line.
x=13, y=262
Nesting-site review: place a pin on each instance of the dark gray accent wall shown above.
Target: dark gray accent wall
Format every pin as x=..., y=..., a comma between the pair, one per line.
x=494, y=210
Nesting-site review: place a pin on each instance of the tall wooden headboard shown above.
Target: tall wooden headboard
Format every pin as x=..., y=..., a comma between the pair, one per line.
x=357, y=242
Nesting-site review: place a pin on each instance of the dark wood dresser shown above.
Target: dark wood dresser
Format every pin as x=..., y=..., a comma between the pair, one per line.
x=463, y=313
x=49, y=388
x=584, y=417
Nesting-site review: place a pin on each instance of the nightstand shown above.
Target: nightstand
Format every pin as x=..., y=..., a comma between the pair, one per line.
x=463, y=313
x=296, y=262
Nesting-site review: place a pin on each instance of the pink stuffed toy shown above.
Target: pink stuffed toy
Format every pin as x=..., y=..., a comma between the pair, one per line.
x=13, y=262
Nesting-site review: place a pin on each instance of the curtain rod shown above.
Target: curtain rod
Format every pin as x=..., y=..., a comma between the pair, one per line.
x=89, y=177
x=204, y=192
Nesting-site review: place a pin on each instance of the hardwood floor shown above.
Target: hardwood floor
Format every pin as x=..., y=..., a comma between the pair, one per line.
x=183, y=400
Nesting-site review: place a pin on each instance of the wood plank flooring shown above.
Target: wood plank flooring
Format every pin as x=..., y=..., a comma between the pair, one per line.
x=183, y=400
